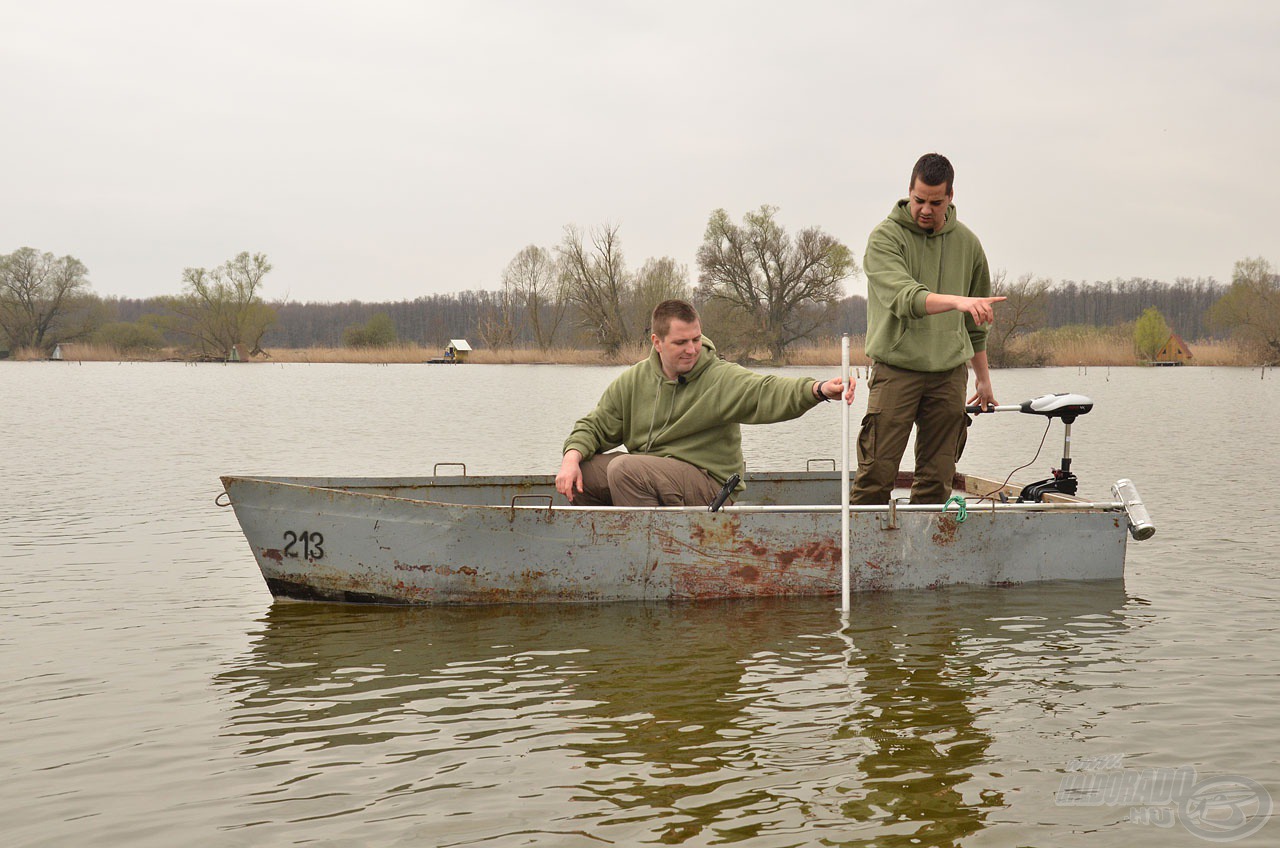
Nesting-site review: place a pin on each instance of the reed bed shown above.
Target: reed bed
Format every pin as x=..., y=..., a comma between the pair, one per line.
x=558, y=356
x=96, y=352
x=1063, y=347
x=1219, y=352
x=827, y=354
x=1091, y=351
x=399, y=353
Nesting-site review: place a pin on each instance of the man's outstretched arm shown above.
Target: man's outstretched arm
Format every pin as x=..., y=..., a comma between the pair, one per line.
x=980, y=309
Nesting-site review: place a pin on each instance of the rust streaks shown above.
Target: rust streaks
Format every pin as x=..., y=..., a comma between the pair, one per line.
x=442, y=570
x=945, y=535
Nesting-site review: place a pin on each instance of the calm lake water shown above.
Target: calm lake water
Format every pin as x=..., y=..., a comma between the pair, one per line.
x=152, y=692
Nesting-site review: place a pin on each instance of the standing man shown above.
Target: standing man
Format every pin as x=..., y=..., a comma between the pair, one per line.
x=928, y=299
x=677, y=412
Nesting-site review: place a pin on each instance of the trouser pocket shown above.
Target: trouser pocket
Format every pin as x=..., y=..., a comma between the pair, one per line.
x=867, y=437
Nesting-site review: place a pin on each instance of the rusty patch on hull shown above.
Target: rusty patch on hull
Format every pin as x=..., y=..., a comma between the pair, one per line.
x=717, y=563
x=946, y=533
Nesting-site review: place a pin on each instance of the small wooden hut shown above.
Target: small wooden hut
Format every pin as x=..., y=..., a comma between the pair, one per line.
x=1174, y=352
x=457, y=350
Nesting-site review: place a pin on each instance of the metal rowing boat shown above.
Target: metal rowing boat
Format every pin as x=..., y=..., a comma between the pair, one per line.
x=459, y=539
x=481, y=540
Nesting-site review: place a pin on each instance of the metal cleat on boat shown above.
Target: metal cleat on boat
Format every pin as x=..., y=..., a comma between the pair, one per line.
x=1140, y=525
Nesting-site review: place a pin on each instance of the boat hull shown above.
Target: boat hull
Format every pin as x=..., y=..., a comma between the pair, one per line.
x=503, y=540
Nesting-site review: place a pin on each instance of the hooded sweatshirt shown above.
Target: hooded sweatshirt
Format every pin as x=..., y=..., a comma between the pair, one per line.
x=694, y=418
x=904, y=263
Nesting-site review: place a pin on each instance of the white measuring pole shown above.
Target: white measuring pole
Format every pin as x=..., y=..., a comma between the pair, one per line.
x=844, y=477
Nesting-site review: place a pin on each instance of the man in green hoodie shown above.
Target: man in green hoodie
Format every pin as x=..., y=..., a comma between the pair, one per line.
x=928, y=301
x=678, y=414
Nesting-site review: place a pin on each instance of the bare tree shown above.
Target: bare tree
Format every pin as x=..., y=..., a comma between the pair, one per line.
x=499, y=324
x=596, y=282
x=535, y=281
x=1250, y=310
x=38, y=294
x=1025, y=311
x=656, y=281
x=787, y=287
x=222, y=307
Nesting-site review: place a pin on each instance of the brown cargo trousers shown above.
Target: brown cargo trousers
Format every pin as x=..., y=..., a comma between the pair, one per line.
x=897, y=400
x=631, y=479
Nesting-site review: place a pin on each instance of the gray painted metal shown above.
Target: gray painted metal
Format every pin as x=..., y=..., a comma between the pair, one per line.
x=478, y=540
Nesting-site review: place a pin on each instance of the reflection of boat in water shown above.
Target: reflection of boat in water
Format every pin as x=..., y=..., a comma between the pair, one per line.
x=668, y=720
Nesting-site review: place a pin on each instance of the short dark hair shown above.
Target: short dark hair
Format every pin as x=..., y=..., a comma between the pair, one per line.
x=933, y=169
x=668, y=310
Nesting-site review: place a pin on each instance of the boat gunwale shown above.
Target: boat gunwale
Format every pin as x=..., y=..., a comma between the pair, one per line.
x=350, y=486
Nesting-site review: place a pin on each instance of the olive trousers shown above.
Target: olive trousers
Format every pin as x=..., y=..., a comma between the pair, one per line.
x=632, y=479
x=897, y=400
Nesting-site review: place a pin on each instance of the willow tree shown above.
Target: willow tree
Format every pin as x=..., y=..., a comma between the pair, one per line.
x=1024, y=311
x=658, y=279
x=785, y=287
x=222, y=307
x=534, y=282
x=1150, y=332
x=1250, y=309
x=595, y=280
x=39, y=293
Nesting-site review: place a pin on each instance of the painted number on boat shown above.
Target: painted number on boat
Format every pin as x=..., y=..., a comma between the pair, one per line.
x=311, y=541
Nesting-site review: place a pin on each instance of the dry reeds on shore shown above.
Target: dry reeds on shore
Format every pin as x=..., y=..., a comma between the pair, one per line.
x=93, y=352
x=828, y=354
x=1067, y=346
x=1064, y=346
x=390, y=354
x=558, y=356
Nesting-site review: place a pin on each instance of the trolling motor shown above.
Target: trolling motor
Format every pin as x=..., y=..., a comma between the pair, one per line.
x=1065, y=406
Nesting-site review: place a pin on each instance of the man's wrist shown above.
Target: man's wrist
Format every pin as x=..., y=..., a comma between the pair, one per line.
x=818, y=392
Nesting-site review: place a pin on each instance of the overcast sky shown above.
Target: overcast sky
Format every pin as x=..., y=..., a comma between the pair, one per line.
x=387, y=150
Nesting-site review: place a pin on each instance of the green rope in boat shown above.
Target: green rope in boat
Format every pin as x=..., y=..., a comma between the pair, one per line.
x=962, y=514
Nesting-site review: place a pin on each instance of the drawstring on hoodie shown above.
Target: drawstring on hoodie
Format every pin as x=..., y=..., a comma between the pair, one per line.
x=942, y=244
x=657, y=395
x=671, y=410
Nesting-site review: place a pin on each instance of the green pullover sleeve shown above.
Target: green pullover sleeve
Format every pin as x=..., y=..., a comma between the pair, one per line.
x=889, y=278
x=751, y=398
x=601, y=429
x=979, y=287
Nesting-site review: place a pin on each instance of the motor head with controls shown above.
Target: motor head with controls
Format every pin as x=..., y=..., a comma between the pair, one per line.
x=1065, y=406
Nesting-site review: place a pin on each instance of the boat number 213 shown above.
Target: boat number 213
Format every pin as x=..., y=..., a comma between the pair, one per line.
x=311, y=542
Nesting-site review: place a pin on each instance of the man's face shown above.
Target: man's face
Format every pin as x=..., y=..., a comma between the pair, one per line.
x=680, y=349
x=928, y=204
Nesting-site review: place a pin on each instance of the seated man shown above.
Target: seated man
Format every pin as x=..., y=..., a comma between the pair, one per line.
x=677, y=413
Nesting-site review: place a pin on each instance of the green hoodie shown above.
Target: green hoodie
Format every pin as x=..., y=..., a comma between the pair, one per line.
x=904, y=263
x=695, y=418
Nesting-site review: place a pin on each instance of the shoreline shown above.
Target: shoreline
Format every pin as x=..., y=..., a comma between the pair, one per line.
x=1108, y=353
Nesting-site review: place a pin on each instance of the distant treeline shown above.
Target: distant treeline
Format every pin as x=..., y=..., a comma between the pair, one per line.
x=435, y=319
x=1184, y=303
